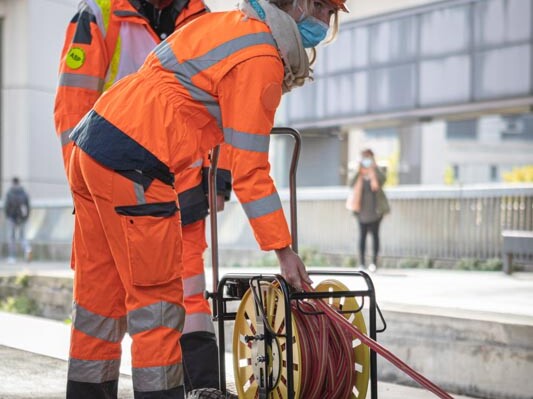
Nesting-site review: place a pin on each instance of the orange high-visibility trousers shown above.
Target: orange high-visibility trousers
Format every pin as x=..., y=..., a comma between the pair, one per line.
x=128, y=273
x=196, y=304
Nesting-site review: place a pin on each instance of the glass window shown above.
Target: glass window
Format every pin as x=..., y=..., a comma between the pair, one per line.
x=360, y=89
x=445, y=80
x=494, y=175
x=500, y=21
x=320, y=67
x=456, y=175
x=281, y=117
x=392, y=88
x=461, y=130
x=320, y=99
x=339, y=53
x=381, y=133
x=448, y=53
x=445, y=30
x=517, y=127
x=360, y=37
x=503, y=72
x=301, y=103
x=339, y=95
x=393, y=41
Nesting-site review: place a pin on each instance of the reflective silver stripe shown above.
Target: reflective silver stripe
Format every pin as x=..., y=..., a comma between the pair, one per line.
x=193, y=66
x=166, y=56
x=159, y=378
x=186, y=70
x=203, y=97
x=139, y=193
x=105, y=328
x=81, y=81
x=196, y=164
x=263, y=206
x=64, y=137
x=94, y=371
x=224, y=50
x=156, y=315
x=198, y=322
x=168, y=59
x=247, y=141
x=193, y=285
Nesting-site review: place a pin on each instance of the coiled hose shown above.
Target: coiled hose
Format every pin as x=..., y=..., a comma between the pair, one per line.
x=334, y=336
x=327, y=354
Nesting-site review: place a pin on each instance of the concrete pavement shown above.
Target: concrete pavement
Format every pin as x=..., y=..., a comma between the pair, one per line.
x=450, y=297
x=26, y=375
x=485, y=295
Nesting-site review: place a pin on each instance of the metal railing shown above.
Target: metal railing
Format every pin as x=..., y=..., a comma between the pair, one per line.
x=435, y=222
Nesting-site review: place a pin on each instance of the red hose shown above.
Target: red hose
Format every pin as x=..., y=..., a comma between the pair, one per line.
x=326, y=370
x=338, y=320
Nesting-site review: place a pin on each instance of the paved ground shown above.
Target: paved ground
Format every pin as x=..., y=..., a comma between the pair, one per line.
x=36, y=368
x=486, y=295
x=25, y=375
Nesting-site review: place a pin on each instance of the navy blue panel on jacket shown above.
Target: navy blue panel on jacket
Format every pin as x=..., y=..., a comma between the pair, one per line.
x=109, y=146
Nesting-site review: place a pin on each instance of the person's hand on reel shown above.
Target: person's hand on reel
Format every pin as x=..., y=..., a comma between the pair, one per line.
x=292, y=268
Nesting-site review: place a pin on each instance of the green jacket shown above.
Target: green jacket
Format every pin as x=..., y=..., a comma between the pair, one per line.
x=382, y=203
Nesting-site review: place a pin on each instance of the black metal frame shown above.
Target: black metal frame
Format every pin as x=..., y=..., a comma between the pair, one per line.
x=226, y=293
x=232, y=286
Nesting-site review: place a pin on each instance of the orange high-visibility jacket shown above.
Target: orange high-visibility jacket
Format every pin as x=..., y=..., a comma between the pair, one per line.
x=218, y=78
x=105, y=41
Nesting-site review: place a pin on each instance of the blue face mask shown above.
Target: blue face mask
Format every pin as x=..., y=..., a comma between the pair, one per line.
x=366, y=162
x=312, y=30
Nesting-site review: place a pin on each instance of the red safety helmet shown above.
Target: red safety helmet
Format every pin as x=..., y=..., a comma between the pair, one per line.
x=341, y=4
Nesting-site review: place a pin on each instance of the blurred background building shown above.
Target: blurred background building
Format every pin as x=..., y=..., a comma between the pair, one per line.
x=441, y=90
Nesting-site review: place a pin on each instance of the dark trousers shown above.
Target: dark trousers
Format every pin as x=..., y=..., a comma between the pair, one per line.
x=200, y=360
x=364, y=229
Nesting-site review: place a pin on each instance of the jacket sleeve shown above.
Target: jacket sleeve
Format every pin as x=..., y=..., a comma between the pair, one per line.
x=249, y=95
x=82, y=69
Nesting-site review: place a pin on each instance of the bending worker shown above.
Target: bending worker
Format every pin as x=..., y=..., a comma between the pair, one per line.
x=105, y=41
x=217, y=79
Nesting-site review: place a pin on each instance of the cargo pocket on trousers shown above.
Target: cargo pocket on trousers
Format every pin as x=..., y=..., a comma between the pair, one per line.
x=153, y=233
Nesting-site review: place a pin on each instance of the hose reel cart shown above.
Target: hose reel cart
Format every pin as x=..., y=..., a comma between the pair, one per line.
x=265, y=366
x=297, y=345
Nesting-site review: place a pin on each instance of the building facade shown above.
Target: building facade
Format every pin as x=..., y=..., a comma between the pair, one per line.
x=441, y=90
x=31, y=34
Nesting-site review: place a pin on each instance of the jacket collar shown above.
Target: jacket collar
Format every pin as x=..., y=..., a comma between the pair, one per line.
x=132, y=7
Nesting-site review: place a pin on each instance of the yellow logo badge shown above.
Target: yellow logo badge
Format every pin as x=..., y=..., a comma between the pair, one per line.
x=75, y=58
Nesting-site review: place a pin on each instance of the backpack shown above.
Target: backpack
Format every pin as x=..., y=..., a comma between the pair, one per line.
x=17, y=205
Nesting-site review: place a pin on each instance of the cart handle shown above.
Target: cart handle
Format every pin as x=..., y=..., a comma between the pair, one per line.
x=212, y=197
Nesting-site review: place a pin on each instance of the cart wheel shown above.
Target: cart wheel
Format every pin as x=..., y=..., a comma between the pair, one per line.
x=361, y=351
x=209, y=393
x=246, y=352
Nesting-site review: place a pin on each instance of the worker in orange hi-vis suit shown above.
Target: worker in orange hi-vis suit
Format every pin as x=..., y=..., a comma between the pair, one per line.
x=217, y=79
x=105, y=41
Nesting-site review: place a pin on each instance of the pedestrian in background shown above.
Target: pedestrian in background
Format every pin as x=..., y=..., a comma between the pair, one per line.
x=217, y=79
x=369, y=203
x=17, y=211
